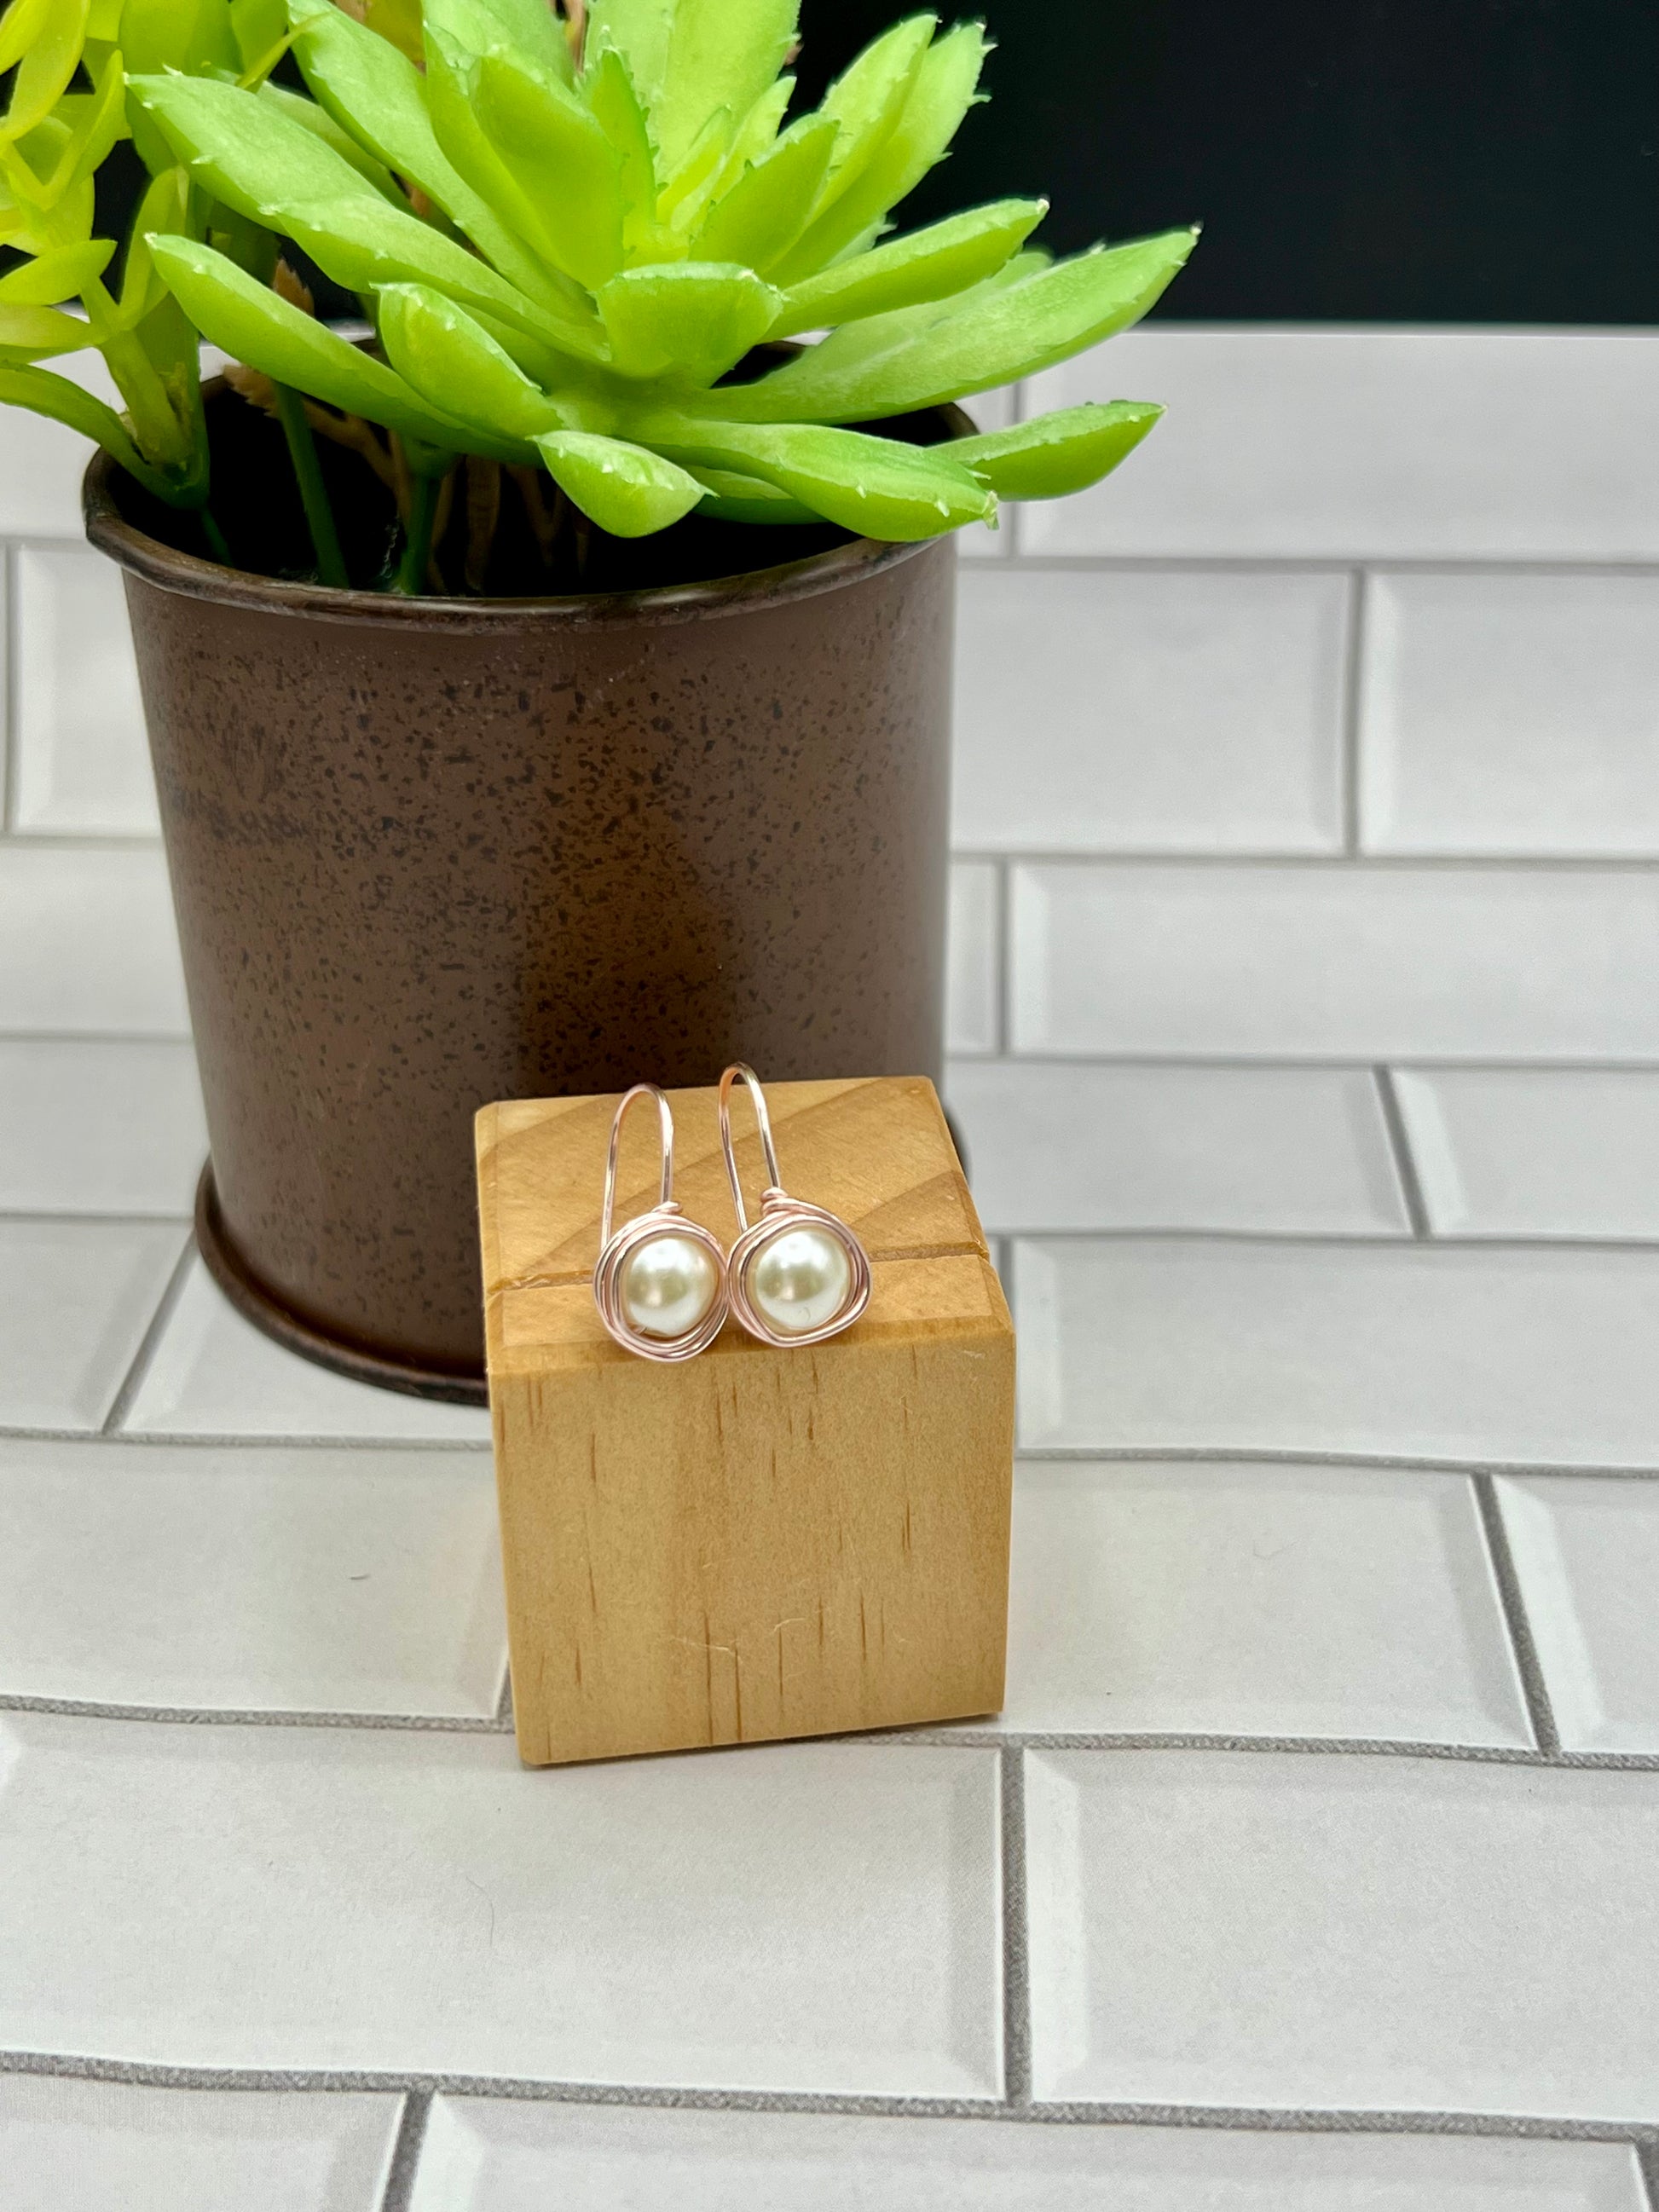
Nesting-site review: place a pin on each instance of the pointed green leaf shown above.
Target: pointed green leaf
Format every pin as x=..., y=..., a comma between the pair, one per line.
x=444, y=356
x=1006, y=332
x=626, y=489
x=530, y=28
x=874, y=485
x=257, y=25
x=756, y=133
x=451, y=93
x=321, y=125
x=60, y=275
x=244, y=149
x=927, y=264
x=32, y=333
x=693, y=319
x=55, y=397
x=374, y=92
x=563, y=162
x=731, y=497
x=638, y=31
x=191, y=35
x=868, y=98
x=233, y=310
x=97, y=121
x=1057, y=453
x=616, y=108
x=721, y=53
x=940, y=95
x=761, y=215
x=47, y=67
x=687, y=190
x=22, y=23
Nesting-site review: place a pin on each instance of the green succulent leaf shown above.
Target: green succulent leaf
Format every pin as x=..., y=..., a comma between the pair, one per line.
x=530, y=28
x=637, y=31
x=51, y=53
x=940, y=94
x=731, y=497
x=926, y=264
x=259, y=27
x=615, y=107
x=561, y=159
x=875, y=486
x=244, y=148
x=193, y=36
x=697, y=318
x=1057, y=453
x=720, y=53
x=1007, y=331
x=248, y=321
x=868, y=98
x=455, y=365
x=626, y=489
x=22, y=24
x=755, y=132
x=36, y=333
x=321, y=125
x=762, y=215
x=45, y=393
x=376, y=95
x=59, y=275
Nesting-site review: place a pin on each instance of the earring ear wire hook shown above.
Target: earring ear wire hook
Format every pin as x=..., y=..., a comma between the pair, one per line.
x=628, y=1302
x=665, y=1129
x=739, y=1072
x=806, y=1276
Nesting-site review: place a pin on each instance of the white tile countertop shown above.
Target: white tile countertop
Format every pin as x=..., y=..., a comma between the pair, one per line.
x=1305, y=1015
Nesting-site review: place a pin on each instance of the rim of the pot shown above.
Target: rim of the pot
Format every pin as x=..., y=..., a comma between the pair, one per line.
x=191, y=577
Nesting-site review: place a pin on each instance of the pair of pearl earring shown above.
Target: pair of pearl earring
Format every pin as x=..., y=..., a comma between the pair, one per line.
x=663, y=1285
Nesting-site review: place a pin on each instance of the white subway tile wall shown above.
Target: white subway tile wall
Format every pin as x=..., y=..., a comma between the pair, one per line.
x=1304, y=1015
x=1112, y=684
x=1249, y=1929
x=80, y=761
x=1510, y=712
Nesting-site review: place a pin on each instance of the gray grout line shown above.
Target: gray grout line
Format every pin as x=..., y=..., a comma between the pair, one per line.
x=49, y=1217
x=1214, y=862
x=1016, y=1968
x=1527, y=1665
x=504, y=1703
x=1400, y=1151
x=406, y=2151
x=1328, y=1239
x=1333, y=563
x=1252, y=2119
x=10, y=712
x=121, y=1404
x=1254, y=1455
x=95, y=1709
x=1002, y=1026
x=987, y=1738
x=990, y=1736
x=244, y=1440
x=1348, y=733
x=1302, y=1063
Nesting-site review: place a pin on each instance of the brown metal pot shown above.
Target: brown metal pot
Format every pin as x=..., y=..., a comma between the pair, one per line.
x=429, y=852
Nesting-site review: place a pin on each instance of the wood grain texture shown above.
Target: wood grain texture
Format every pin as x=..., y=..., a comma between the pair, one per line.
x=760, y=1543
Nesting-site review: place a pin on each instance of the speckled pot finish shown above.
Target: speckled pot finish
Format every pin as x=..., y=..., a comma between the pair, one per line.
x=427, y=853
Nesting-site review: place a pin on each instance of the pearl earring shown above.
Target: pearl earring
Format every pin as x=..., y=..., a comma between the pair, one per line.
x=800, y=1275
x=660, y=1282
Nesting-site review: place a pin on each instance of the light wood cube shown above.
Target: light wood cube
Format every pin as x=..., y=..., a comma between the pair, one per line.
x=759, y=1542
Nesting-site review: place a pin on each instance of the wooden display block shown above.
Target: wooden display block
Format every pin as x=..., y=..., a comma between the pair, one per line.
x=757, y=1543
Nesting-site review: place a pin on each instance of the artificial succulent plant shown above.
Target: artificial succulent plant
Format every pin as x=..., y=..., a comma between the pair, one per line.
x=567, y=232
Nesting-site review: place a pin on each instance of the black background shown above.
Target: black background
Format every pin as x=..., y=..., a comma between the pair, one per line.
x=1417, y=160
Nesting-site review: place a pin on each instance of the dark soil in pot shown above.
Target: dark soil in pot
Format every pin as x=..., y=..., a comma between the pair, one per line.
x=429, y=853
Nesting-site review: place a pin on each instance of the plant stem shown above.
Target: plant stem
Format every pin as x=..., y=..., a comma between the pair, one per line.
x=313, y=492
x=411, y=577
x=215, y=536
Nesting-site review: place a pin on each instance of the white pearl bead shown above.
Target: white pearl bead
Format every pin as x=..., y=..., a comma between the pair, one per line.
x=668, y=1285
x=800, y=1279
